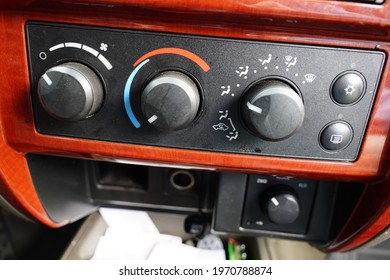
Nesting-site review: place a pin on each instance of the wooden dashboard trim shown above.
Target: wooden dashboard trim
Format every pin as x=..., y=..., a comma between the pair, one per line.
x=22, y=136
x=334, y=24
x=366, y=221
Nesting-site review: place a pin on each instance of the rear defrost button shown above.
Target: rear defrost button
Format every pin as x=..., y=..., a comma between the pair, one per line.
x=336, y=136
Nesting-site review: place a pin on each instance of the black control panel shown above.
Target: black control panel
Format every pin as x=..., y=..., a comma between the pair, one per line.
x=278, y=204
x=201, y=93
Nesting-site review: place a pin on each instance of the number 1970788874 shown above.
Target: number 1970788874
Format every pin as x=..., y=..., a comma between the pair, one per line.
x=242, y=270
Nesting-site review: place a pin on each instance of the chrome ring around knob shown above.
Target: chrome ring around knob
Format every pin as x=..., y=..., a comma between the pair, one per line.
x=70, y=91
x=272, y=109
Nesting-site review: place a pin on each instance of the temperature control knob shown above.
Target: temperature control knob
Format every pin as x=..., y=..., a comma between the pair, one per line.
x=70, y=91
x=272, y=109
x=170, y=101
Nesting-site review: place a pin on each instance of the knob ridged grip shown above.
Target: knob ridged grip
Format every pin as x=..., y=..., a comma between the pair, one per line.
x=70, y=91
x=272, y=109
x=283, y=208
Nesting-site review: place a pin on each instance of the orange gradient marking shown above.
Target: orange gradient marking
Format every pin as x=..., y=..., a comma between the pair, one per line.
x=202, y=64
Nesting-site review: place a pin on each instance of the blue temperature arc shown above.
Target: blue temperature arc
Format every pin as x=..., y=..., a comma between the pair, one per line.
x=126, y=97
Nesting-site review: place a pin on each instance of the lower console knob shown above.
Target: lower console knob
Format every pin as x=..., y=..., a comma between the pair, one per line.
x=282, y=208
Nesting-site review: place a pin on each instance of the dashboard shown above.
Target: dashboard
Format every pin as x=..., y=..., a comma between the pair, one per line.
x=271, y=117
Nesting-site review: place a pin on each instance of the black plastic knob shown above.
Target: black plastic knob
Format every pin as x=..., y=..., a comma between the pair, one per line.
x=70, y=91
x=272, y=109
x=282, y=208
x=170, y=101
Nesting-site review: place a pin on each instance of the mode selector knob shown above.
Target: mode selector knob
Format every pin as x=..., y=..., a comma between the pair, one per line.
x=170, y=101
x=70, y=91
x=272, y=109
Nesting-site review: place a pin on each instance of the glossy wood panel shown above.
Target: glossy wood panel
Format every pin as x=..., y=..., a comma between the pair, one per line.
x=308, y=22
x=321, y=15
x=369, y=218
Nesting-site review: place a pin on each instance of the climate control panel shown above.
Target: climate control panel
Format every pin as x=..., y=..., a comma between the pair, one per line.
x=201, y=93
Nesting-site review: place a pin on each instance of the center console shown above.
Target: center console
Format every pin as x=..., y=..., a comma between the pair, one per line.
x=231, y=203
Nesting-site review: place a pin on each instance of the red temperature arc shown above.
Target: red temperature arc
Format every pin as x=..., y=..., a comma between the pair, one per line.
x=202, y=64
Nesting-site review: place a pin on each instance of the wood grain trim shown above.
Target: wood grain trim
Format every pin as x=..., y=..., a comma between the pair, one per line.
x=17, y=188
x=370, y=218
x=314, y=14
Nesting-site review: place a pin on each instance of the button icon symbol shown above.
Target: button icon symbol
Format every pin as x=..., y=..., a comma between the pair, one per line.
x=261, y=181
x=227, y=126
x=243, y=71
x=221, y=126
x=232, y=135
x=227, y=90
x=290, y=61
x=103, y=47
x=349, y=90
x=266, y=61
x=336, y=139
x=42, y=55
x=310, y=78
